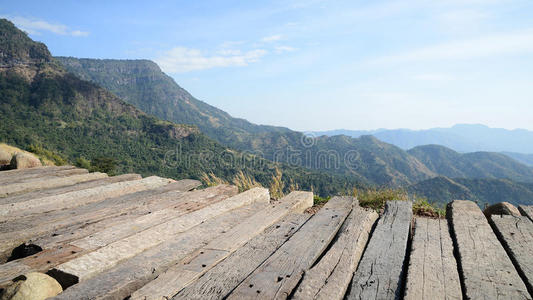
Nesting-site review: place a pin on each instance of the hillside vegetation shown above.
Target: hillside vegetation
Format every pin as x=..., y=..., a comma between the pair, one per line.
x=483, y=191
x=44, y=106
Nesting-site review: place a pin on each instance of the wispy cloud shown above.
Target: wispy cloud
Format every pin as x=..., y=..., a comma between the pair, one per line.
x=36, y=27
x=182, y=59
x=272, y=38
x=481, y=47
x=282, y=49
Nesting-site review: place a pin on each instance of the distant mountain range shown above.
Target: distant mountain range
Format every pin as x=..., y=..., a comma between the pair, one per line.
x=143, y=84
x=131, y=111
x=484, y=191
x=461, y=138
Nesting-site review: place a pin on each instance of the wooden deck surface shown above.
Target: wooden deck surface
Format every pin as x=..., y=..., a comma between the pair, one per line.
x=127, y=237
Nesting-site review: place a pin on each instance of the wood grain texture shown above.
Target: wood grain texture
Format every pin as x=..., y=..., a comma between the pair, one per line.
x=526, y=210
x=180, y=202
x=486, y=269
x=516, y=235
x=281, y=272
x=120, y=281
x=48, y=182
x=13, y=175
x=330, y=277
x=182, y=274
x=83, y=197
x=65, y=189
x=380, y=271
x=64, y=225
x=218, y=282
x=432, y=272
x=189, y=203
x=108, y=256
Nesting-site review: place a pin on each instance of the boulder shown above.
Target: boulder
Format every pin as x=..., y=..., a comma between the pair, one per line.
x=32, y=286
x=502, y=208
x=24, y=161
x=5, y=157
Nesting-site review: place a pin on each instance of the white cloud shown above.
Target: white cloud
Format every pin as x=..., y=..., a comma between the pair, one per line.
x=482, y=47
x=181, y=59
x=272, y=38
x=36, y=27
x=282, y=49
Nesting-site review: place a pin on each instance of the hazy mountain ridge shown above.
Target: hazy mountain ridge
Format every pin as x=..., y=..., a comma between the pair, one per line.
x=143, y=84
x=484, y=191
x=446, y=162
x=461, y=138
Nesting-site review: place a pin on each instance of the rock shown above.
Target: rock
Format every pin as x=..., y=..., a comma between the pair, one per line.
x=5, y=157
x=24, y=161
x=32, y=286
x=502, y=208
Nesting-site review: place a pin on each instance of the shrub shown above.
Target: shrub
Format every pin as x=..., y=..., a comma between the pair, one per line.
x=376, y=198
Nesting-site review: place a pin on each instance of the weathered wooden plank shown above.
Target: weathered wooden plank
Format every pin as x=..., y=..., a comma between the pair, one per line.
x=70, y=188
x=120, y=211
x=128, y=276
x=281, y=272
x=194, y=266
x=432, y=272
x=43, y=176
x=526, y=210
x=516, y=235
x=108, y=256
x=18, y=230
x=55, y=243
x=380, y=271
x=40, y=262
x=218, y=282
x=49, y=182
x=485, y=269
x=57, y=227
x=21, y=173
x=192, y=202
x=83, y=197
x=330, y=277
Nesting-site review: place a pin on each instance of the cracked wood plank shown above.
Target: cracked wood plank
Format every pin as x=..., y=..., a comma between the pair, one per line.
x=181, y=203
x=516, y=235
x=526, y=210
x=330, y=277
x=83, y=197
x=281, y=272
x=120, y=281
x=12, y=175
x=45, y=183
x=218, y=282
x=380, y=271
x=432, y=272
x=97, y=261
x=65, y=189
x=182, y=274
x=189, y=203
x=19, y=230
x=486, y=269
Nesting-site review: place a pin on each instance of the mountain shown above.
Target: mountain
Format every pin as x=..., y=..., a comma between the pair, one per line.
x=446, y=162
x=484, y=191
x=526, y=159
x=365, y=158
x=143, y=84
x=43, y=104
x=461, y=138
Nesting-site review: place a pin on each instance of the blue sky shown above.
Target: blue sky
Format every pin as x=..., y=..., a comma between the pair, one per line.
x=312, y=64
